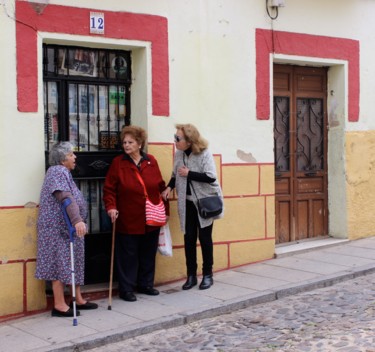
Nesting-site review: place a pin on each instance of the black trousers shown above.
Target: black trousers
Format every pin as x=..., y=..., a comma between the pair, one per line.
x=192, y=229
x=135, y=260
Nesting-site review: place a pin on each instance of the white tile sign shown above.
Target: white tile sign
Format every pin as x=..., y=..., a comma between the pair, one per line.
x=97, y=22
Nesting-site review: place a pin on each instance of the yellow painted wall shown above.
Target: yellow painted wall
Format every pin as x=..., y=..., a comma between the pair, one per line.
x=360, y=166
x=244, y=219
x=17, y=233
x=250, y=252
x=17, y=262
x=240, y=180
x=267, y=179
x=35, y=290
x=11, y=293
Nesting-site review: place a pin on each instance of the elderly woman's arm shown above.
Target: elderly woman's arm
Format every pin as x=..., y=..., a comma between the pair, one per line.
x=73, y=212
x=171, y=184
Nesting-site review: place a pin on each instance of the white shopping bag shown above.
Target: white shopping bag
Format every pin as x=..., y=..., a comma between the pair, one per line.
x=165, y=241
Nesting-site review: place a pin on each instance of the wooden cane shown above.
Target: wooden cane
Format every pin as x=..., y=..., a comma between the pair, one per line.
x=111, y=269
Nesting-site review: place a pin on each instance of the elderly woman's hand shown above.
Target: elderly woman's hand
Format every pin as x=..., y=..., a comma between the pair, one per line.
x=166, y=193
x=113, y=214
x=183, y=171
x=81, y=229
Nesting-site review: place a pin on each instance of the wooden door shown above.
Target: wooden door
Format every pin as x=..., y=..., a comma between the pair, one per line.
x=300, y=136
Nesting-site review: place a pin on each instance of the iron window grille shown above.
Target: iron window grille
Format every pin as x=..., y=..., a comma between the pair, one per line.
x=86, y=94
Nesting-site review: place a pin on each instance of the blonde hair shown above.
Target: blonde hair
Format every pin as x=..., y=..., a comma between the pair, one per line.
x=192, y=136
x=138, y=133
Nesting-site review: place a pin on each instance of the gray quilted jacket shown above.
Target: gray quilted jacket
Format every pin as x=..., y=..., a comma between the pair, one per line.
x=203, y=163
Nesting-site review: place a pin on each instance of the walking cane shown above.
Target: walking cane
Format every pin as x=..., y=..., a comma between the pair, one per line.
x=111, y=269
x=72, y=231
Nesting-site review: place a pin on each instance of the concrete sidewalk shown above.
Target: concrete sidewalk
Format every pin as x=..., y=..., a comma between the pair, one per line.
x=313, y=265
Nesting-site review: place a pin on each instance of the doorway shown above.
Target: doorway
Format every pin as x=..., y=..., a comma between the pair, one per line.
x=87, y=102
x=300, y=149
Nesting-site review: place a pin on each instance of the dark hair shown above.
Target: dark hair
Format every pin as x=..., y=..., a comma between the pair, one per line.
x=138, y=133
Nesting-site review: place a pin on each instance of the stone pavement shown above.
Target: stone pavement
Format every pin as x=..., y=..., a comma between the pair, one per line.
x=331, y=262
x=338, y=318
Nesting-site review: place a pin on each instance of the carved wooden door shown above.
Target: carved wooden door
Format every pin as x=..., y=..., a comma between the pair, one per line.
x=300, y=135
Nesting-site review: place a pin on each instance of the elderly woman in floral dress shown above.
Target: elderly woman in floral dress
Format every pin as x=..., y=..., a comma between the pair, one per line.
x=53, y=256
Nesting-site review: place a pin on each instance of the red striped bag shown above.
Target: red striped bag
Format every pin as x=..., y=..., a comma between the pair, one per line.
x=155, y=213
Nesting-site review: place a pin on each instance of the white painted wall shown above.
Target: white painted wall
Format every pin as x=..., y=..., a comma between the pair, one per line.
x=212, y=77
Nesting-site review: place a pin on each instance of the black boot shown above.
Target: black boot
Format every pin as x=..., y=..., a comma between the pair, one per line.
x=190, y=282
x=207, y=282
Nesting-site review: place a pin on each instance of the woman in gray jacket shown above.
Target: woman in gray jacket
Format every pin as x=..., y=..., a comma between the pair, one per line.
x=194, y=176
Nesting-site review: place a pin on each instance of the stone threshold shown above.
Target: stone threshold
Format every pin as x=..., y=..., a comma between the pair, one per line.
x=287, y=249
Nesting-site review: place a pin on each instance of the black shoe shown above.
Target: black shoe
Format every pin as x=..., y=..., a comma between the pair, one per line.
x=88, y=305
x=148, y=291
x=190, y=282
x=68, y=314
x=128, y=296
x=207, y=282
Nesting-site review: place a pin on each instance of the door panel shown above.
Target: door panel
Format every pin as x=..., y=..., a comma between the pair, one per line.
x=302, y=219
x=300, y=134
x=283, y=220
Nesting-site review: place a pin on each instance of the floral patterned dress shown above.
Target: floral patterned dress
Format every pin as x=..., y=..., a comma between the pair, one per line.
x=53, y=255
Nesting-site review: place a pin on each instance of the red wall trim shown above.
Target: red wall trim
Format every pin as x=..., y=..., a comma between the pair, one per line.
x=12, y=207
x=268, y=41
x=75, y=21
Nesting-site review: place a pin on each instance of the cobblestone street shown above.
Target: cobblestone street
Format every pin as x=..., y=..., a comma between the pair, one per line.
x=337, y=318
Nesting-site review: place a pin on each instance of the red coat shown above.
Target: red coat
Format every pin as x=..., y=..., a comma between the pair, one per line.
x=123, y=191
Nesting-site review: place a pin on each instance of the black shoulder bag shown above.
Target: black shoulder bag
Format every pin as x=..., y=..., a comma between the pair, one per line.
x=208, y=207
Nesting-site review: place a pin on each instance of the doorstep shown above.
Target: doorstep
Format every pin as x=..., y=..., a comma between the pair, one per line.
x=89, y=292
x=286, y=249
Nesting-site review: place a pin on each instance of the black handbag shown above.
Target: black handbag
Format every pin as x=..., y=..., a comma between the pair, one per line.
x=210, y=207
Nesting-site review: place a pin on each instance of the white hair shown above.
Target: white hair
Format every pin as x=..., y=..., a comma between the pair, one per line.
x=58, y=152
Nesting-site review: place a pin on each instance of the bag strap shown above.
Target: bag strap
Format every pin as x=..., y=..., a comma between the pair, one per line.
x=142, y=183
x=190, y=183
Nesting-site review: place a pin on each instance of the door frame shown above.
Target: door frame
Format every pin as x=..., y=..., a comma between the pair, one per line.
x=337, y=107
x=297, y=189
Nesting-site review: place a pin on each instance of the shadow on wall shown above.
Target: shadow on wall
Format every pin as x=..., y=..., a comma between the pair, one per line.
x=248, y=157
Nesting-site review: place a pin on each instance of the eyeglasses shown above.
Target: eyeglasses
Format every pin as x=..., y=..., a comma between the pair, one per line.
x=178, y=138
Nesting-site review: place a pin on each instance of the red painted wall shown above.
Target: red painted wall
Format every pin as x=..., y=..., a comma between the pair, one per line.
x=75, y=21
x=268, y=41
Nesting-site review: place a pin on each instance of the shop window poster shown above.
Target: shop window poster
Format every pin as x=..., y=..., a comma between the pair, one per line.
x=80, y=62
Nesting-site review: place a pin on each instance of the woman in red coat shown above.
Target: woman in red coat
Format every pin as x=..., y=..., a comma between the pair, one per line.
x=136, y=242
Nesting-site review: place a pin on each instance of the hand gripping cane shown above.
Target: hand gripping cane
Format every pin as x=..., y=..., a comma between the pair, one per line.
x=72, y=231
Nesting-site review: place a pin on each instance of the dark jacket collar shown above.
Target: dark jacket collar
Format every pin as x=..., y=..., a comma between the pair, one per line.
x=188, y=151
x=143, y=155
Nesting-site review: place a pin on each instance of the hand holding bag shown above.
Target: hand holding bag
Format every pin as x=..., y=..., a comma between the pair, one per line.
x=155, y=213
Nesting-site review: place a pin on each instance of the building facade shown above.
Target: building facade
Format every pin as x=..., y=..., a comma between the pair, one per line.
x=282, y=93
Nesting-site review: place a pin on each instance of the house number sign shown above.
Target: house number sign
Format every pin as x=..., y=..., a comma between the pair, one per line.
x=97, y=22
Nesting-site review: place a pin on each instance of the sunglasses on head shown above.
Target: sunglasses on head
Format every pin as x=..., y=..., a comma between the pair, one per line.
x=178, y=138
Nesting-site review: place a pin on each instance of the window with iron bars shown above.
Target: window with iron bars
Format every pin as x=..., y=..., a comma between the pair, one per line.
x=86, y=95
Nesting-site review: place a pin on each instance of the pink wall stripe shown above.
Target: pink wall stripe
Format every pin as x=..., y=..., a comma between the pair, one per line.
x=75, y=20
x=268, y=41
